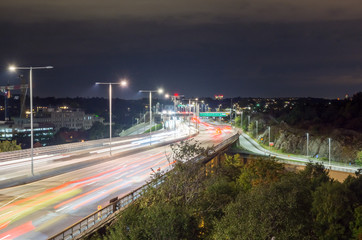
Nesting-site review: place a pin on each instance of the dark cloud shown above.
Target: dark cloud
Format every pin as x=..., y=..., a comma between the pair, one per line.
x=187, y=10
x=237, y=48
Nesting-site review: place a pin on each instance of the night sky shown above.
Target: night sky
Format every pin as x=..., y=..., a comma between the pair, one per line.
x=247, y=48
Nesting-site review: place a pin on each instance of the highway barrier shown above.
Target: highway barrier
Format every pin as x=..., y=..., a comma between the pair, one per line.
x=58, y=149
x=109, y=212
x=105, y=213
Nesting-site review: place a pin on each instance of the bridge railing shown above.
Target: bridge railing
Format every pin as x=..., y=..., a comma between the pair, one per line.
x=118, y=204
x=58, y=149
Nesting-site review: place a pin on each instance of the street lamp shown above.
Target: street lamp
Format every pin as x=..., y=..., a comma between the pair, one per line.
x=307, y=145
x=123, y=83
x=329, y=151
x=13, y=69
x=159, y=91
x=256, y=129
x=248, y=123
x=241, y=120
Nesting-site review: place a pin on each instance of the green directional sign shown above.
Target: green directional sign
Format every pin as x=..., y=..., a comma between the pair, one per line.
x=213, y=114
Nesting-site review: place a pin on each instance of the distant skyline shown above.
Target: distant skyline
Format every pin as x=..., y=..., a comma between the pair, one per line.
x=245, y=48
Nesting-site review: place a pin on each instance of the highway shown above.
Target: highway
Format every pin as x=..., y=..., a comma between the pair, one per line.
x=253, y=147
x=42, y=208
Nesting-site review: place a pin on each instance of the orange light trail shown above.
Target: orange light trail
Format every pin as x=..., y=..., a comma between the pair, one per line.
x=85, y=194
x=17, y=231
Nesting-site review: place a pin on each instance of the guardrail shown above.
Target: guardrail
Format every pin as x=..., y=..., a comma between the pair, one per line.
x=118, y=204
x=56, y=149
x=102, y=214
x=333, y=167
x=337, y=166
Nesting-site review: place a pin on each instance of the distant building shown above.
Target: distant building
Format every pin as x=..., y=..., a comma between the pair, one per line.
x=19, y=129
x=64, y=117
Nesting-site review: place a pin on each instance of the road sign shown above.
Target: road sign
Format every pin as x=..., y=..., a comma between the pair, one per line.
x=213, y=114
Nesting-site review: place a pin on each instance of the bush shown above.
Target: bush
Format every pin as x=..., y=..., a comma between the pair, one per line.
x=359, y=158
x=6, y=146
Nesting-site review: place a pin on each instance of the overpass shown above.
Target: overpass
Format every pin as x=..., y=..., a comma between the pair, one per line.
x=73, y=180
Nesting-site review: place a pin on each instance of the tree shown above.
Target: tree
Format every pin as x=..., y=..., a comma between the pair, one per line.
x=251, y=127
x=356, y=225
x=156, y=221
x=59, y=136
x=259, y=171
x=219, y=192
x=316, y=173
x=97, y=131
x=231, y=166
x=237, y=121
x=187, y=150
x=359, y=158
x=332, y=208
x=279, y=210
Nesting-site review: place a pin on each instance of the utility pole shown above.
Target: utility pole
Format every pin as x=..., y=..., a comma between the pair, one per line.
x=7, y=94
x=231, y=111
x=329, y=151
x=256, y=125
x=24, y=91
x=307, y=145
x=248, y=122
x=241, y=120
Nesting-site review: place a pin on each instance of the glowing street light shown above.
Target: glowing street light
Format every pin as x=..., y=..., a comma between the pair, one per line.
x=159, y=91
x=123, y=83
x=13, y=68
x=307, y=145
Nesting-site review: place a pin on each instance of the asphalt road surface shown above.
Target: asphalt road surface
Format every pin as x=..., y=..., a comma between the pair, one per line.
x=40, y=209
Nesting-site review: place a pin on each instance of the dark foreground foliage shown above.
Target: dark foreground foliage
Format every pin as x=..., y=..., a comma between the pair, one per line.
x=253, y=200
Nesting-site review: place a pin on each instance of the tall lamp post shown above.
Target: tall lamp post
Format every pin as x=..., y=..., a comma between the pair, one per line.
x=329, y=151
x=123, y=83
x=197, y=109
x=256, y=129
x=159, y=91
x=241, y=120
x=307, y=145
x=13, y=69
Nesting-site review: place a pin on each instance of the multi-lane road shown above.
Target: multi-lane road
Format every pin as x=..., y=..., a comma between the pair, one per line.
x=42, y=208
x=253, y=147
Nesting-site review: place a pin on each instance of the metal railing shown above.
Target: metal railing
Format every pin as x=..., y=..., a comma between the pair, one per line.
x=104, y=213
x=57, y=149
x=118, y=204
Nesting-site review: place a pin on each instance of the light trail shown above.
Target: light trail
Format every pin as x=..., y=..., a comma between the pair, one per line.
x=71, y=196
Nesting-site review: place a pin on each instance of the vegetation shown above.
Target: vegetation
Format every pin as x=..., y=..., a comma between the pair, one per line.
x=359, y=158
x=257, y=199
x=319, y=115
x=98, y=131
x=6, y=146
x=155, y=128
